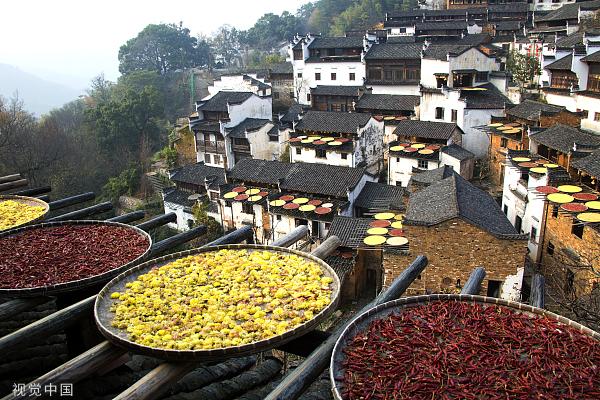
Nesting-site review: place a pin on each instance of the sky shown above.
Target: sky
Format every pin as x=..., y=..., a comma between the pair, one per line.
x=72, y=41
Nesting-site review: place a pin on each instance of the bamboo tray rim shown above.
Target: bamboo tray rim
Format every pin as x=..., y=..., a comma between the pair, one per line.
x=31, y=201
x=103, y=315
x=80, y=283
x=360, y=322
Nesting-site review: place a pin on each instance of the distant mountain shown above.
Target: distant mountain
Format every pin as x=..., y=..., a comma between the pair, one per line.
x=39, y=95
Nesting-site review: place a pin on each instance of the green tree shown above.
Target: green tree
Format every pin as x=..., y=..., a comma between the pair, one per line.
x=125, y=183
x=162, y=48
x=226, y=43
x=201, y=217
x=524, y=68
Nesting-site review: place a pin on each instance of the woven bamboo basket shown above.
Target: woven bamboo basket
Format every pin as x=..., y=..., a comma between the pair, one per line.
x=30, y=201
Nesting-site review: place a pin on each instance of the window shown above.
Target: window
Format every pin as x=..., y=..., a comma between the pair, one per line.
x=482, y=76
x=317, y=76
x=398, y=183
x=533, y=234
x=494, y=288
x=398, y=159
x=247, y=208
x=555, y=211
x=424, y=164
x=207, y=137
x=273, y=138
x=439, y=113
x=301, y=222
x=275, y=95
x=375, y=74
x=320, y=153
x=596, y=116
x=207, y=158
x=577, y=229
x=352, y=76
x=217, y=159
x=505, y=209
x=308, y=97
x=518, y=223
x=299, y=75
x=504, y=142
x=298, y=54
x=298, y=150
x=454, y=115
x=278, y=218
x=333, y=76
x=550, y=248
x=344, y=156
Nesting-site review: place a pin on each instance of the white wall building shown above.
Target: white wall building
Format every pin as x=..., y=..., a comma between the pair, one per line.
x=240, y=83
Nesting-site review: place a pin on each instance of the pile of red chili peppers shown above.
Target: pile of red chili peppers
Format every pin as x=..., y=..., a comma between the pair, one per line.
x=460, y=350
x=51, y=255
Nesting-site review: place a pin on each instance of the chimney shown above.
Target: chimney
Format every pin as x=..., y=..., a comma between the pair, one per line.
x=279, y=182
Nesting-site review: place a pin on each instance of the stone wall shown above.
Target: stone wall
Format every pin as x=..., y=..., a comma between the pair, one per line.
x=453, y=249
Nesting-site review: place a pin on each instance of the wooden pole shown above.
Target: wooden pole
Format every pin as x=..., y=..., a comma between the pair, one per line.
x=297, y=381
x=157, y=221
x=237, y=236
x=473, y=284
x=83, y=213
x=12, y=185
x=33, y=191
x=71, y=200
x=16, y=306
x=43, y=197
x=538, y=291
x=326, y=248
x=10, y=178
x=292, y=237
x=177, y=240
x=129, y=217
x=78, y=367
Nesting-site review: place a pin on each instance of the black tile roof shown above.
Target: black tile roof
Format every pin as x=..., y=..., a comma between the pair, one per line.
x=261, y=85
x=563, y=138
x=341, y=266
x=388, y=102
x=248, y=125
x=407, y=13
x=516, y=7
x=508, y=25
x=206, y=126
x=292, y=114
x=568, y=11
x=330, y=90
x=281, y=68
x=319, y=179
x=350, y=231
x=568, y=42
x=380, y=197
x=455, y=197
x=458, y=152
x=564, y=63
x=425, y=178
x=432, y=13
x=195, y=174
x=532, y=110
x=436, y=26
x=490, y=98
x=394, y=51
x=400, y=39
x=441, y=51
x=336, y=42
x=426, y=129
x=590, y=164
x=594, y=57
x=179, y=197
x=333, y=121
x=220, y=100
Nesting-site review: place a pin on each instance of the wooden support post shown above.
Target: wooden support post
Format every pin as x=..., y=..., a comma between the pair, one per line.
x=43, y=197
x=129, y=217
x=155, y=222
x=10, y=178
x=538, y=291
x=72, y=200
x=33, y=191
x=83, y=213
x=327, y=248
x=16, y=306
x=292, y=237
x=237, y=236
x=12, y=185
x=176, y=240
x=473, y=284
x=79, y=367
x=296, y=382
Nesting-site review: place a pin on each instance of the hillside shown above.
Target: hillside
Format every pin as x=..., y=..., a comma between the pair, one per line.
x=39, y=95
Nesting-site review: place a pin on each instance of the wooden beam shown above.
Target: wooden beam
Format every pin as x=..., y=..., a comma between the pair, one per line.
x=71, y=200
x=43, y=197
x=473, y=284
x=129, y=217
x=12, y=185
x=327, y=248
x=297, y=381
x=33, y=191
x=77, y=368
x=538, y=291
x=155, y=222
x=10, y=178
x=177, y=240
x=237, y=236
x=16, y=306
x=305, y=344
x=292, y=237
x=83, y=213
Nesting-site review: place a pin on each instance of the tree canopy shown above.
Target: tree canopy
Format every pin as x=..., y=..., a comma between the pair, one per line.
x=162, y=48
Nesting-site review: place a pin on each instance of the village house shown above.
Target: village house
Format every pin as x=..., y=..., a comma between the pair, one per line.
x=458, y=227
x=394, y=68
x=254, y=138
x=335, y=98
x=193, y=183
x=218, y=114
x=389, y=108
x=329, y=61
x=338, y=138
x=470, y=4
x=379, y=197
x=281, y=78
x=423, y=145
x=564, y=20
x=588, y=170
x=275, y=197
x=240, y=83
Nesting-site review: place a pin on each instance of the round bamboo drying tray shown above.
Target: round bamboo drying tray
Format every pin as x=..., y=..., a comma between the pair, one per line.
x=30, y=201
x=119, y=337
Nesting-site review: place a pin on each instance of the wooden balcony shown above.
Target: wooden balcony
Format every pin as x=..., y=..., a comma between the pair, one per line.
x=211, y=147
x=241, y=148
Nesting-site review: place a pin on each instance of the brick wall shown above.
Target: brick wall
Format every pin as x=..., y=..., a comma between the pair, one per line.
x=564, y=117
x=454, y=248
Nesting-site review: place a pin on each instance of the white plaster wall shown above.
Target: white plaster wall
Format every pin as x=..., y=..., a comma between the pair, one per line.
x=592, y=106
x=412, y=90
x=254, y=107
x=409, y=31
x=369, y=147
x=562, y=100
x=475, y=141
x=261, y=147
x=473, y=59
x=235, y=83
x=353, y=194
x=511, y=287
x=181, y=223
x=341, y=69
x=446, y=159
x=429, y=67
x=400, y=169
x=581, y=70
x=332, y=157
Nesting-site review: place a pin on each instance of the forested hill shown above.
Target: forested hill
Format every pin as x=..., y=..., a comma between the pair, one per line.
x=328, y=17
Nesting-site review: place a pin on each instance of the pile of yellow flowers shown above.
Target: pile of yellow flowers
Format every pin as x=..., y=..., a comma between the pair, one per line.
x=13, y=213
x=221, y=299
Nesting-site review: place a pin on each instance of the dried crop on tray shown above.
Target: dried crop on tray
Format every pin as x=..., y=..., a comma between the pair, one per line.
x=58, y=254
x=221, y=299
x=460, y=350
x=14, y=213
